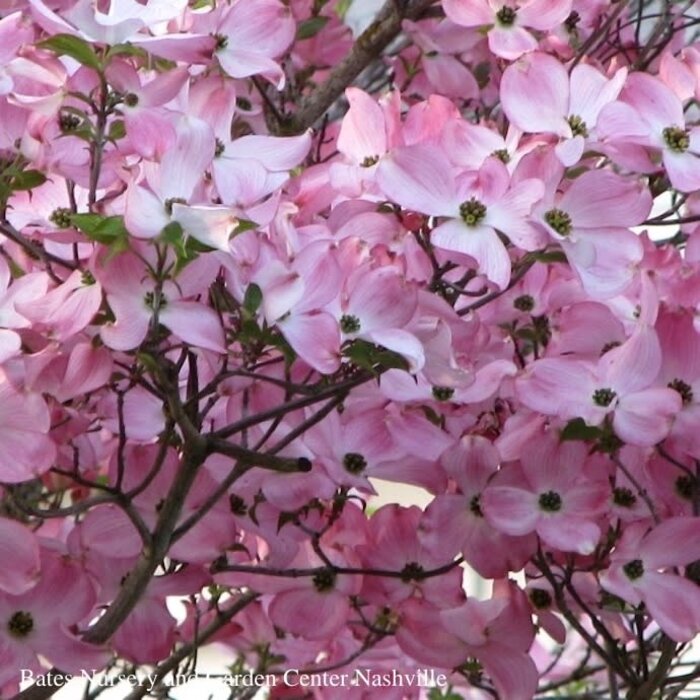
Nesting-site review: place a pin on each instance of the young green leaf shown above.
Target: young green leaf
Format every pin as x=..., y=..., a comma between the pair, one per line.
x=73, y=46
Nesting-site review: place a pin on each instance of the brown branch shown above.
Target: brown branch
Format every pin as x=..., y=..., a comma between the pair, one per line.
x=283, y=465
x=294, y=405
x=222, y=619
x=368, y=47
x=34, y=250
x=658, y=675
x=194, y=453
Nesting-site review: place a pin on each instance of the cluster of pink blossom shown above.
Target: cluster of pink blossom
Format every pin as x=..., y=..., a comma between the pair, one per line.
x=230, y=299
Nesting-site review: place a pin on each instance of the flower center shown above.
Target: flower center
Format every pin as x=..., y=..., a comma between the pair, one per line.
x=502, y=155
x=369, y=161
x=578, y=126
x=237, y=504
x=550, y=501
x=686, y=486
x=68, y=122
x=349, y=323
x=685, y=390
x=524, y=303
x=87, y=279
x=559, y=220
x=571, y=21
x=676, y=139
x=443, y=393
x=354, y=463
x=221, y=41
x=413, y=571
x=20, y=624
x=168, y=204
x=540, y=598
x=472, y=212
x=324, y=581
x=603, y=397
x=506, y=16
x=634, y=569
x=130, y=99
x=61, y=217
x=150, y=301
x=475, y=506
x=624, y=497
x=219, y=149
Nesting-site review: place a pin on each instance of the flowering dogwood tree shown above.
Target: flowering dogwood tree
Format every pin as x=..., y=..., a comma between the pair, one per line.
x=251, y=262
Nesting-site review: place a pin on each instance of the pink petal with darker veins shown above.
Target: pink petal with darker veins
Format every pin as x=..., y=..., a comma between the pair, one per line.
x=310, y=614
x=510, y=510
x=511, y=42
x=674, y=604
x=480, y=243
x=419, y=178
x=535, y=94
x=645, y=417
x=363, y=131
x=315, y=337
x=19, y=546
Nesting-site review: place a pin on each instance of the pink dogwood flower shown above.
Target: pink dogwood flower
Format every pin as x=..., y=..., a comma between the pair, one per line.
x=376, y=306
x=506, y=22
x=491, y=635
x=639, y=573
x=26, y=450
x=649, y=114
x=137, y=304
x=477, y=204
x=591, y=221
x=32, y=624
x=249, y=168
x=540, y=97
x=251, y=34
x=456, y=522
x=621, y=383
x=552, y=496
x=172, y=184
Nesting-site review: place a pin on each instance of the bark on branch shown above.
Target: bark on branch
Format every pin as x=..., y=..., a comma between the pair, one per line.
x=368, y=47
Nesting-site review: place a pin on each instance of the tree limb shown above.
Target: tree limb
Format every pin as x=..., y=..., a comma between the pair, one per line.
x=368, y=47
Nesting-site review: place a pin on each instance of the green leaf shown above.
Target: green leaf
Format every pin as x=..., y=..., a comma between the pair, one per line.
x=117, y=130
x=253, y=298
x=243, y=226
x=102, y=229
x=147, y=361
x=389, y=359
x=279, y=341
x=433, y=416
x=311, y=27
x=173, y=234
x=342, y=7
x=482, y=73
x=27, y=180
x=359, y=352
x=186, y=248
x=73, y=46
x=448, y=694
x=125, y=50
x=249, y=332
x=551, y=256
x=578, y=429
x=373, y=357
